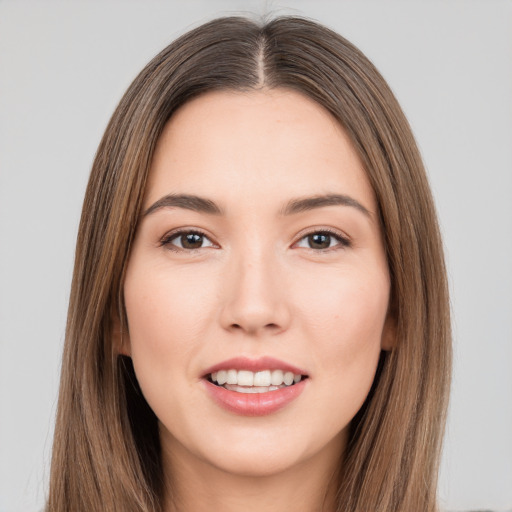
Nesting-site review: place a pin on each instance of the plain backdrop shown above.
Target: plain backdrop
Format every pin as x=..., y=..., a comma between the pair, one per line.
x=64, y=67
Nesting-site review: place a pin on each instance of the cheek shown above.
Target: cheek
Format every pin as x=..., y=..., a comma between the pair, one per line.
x=168, y=314
x=348, y=324
x=349, y=306
x=346, y=318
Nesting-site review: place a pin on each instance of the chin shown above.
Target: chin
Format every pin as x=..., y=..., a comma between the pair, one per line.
x=260, y=452
x=256, y=464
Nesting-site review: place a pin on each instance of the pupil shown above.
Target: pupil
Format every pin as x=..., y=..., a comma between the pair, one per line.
x=192, y=241
x=319, y=241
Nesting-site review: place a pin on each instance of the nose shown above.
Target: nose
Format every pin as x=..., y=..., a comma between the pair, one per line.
x=255, y=298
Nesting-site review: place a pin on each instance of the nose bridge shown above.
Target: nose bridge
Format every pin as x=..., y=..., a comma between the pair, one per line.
x=255, y=300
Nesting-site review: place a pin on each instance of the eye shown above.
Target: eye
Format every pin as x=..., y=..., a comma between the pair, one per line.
x=186, y=240
x=322, y=240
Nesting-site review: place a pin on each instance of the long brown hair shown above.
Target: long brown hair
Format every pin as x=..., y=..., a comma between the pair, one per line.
x=106, y=454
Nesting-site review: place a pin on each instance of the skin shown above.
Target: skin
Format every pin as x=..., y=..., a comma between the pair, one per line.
x=255, y=286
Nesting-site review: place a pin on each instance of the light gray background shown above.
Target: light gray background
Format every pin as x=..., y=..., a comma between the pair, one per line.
x=63, y=68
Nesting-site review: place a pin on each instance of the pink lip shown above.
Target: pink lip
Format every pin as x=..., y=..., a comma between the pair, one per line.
x=254, y=365
x=254, y=404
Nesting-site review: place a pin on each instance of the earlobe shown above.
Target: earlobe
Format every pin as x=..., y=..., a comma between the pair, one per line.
x=120, y=337
x=388, y=340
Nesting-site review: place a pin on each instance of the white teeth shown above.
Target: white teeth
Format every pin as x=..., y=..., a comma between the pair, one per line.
x=277, y=377
x=245, y=378
x=288, y=378
x=222, y=377
x=262, y=378
x=250, y=389
x=232, y=377
x=258, y=382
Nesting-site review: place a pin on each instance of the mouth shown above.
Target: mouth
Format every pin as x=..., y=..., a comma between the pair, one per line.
x=246, y=381
x=254, y=387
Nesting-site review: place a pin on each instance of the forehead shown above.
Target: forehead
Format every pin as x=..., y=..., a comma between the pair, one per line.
x=260, y=142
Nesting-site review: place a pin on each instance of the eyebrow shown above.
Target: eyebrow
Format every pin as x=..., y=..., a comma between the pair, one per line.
x=203, y=205
x=186, y=201
x=310, y=203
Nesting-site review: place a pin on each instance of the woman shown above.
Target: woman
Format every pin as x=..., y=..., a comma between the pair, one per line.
x=259, y=311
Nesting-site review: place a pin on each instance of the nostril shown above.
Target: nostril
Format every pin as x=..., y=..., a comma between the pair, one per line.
x=268, y=327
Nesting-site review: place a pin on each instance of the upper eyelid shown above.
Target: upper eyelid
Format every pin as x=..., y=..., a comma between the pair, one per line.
x=181, y=231
x=343, y=238
x=171, y=235
x=331, y=231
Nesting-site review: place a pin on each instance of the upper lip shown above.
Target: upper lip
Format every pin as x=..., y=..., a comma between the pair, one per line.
x=254, y=365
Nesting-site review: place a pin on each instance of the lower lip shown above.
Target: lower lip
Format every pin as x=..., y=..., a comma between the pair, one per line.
x=254, y=404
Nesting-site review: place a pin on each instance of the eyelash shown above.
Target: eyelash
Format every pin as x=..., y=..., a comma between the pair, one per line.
x=343, y=242
x=166, y=241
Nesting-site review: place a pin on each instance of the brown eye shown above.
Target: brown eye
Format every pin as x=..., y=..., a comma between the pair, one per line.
x=319, y=241
x=191, y=241
x=322, y=241
x=188, y=240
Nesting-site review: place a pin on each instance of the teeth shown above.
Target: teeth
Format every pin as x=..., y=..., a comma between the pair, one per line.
x=288, y=378
x=245, y=378
x=251, y=389
x=232, y=377
x=259, y=382
x=262, y=378
x=277, y=377
x=222, y=377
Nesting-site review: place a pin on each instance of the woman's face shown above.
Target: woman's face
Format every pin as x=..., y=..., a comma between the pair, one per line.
x=258, y=260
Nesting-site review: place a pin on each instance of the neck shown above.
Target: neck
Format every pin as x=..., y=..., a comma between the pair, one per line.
x=196, y=486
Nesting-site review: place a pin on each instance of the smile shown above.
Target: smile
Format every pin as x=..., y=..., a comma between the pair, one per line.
x=254, y=387
x=246, y=381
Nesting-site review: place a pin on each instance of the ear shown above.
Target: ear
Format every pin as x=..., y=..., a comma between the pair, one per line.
x=388, y=339
x=120, y=337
